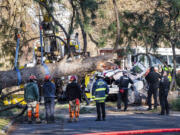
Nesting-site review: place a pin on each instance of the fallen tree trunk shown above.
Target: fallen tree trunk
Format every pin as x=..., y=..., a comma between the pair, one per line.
x=10, y=93
x=63, y=68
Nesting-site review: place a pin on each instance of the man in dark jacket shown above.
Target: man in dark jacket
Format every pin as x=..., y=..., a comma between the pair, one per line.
x=100, y=91
x=49, y=90
x=163, y=93
x=153, y=82
x=73, y=94
x=31, y=96
x=123, y=90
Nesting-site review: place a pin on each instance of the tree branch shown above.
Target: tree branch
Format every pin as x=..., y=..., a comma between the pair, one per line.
x=93, y=40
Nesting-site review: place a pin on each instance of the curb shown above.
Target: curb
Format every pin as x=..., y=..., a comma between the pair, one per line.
x=6, y=128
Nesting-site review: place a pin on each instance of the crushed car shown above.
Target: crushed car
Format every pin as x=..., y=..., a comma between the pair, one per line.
x=136, y=92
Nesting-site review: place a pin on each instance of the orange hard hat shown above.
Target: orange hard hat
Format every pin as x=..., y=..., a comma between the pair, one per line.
x=47, y=77
x=72, y=78
x=32, y=77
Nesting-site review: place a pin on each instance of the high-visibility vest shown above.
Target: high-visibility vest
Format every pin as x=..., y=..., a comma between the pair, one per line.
x=168, y=70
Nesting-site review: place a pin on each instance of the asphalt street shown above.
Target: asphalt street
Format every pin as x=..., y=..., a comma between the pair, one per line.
x=116, y=121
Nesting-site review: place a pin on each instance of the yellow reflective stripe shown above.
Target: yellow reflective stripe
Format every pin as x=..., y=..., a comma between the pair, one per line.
x=101, y=101
x=101, y=89
x=170, y=78
x=93, y=96
x=101, y=98
x=165, y=68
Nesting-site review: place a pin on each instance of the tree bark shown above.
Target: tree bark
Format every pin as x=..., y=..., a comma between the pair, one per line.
x=10, y=93
x=82, y=28
x=117, y=23
x=63, y=68
x=173, y=82
x=84, y=39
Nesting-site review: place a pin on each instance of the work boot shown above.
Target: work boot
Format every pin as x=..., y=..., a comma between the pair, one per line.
x=98, y=119
x=118, y=109
x=70, y=120
x=104, y=119
x=29, y=120
x=76, y=120
x=38, y=120
x=125, y=109
x=149, y=109
x=52, y=119
x=155, y=108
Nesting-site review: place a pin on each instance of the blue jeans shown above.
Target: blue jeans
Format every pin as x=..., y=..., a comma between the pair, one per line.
x=49, y=106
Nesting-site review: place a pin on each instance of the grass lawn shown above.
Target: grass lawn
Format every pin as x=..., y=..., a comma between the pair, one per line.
x=175, y=104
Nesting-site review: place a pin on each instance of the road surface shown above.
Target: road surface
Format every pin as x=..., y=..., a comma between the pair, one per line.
x=116, y=121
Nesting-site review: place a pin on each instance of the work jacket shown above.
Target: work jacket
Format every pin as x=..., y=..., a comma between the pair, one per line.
x=153, y=80
x=31, y=92
x=100, y=91
x=49, y=89
x=169, y=71
x=164, y=85
x=73, y=91
x=124, y=82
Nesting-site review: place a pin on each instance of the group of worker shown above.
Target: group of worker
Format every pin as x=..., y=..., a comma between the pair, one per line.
x=159, y=81
x=155, y=81
x=73, y=95
x=100, y=91
x=31, y=96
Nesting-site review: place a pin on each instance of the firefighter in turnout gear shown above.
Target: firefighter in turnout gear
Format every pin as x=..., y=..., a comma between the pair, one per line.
x=73, y=94
x=123, y=90
x=163, y=93
x=31, y=96
x=100, y=91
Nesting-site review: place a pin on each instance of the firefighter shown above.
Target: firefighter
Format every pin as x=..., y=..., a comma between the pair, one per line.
x=31, y=96
x=73, y=94
x=123, y=90
x=163, y=93
x=153, y=82
x=49, y=90
x=100, y=91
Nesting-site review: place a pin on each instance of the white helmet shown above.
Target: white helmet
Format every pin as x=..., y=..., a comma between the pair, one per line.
x=99, y=74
